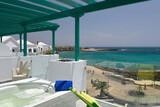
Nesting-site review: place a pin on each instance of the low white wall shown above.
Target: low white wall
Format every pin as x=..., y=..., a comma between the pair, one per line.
x=39, y=65
x=58, y=70
x=69, y=100
x=72, y=70
x=79, y=75
x=4, y=50
x=47, y=67
x=6, y=66
x=107, y=104
x=64, y=100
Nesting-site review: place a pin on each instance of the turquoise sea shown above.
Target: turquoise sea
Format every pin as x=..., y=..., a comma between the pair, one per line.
x=120, y=55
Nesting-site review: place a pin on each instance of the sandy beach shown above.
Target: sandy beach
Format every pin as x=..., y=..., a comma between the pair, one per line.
x=120, y=91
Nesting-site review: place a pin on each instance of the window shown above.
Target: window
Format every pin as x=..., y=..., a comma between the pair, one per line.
x=30, y=50
x=13, y=50
x=34, y=50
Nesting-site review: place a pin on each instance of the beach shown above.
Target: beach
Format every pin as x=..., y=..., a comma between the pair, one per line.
x=118, y=91
x=120, y=70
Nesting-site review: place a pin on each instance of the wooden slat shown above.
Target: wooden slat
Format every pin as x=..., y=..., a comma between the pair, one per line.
x=85, y=9
x=15, y=29
x=13, y=16
x=70, y=3
x=28, y=6
x=18, y=9
x=13, y=12
x=89, y=1
x=49, y=4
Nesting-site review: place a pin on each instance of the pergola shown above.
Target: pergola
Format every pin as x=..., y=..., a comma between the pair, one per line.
x=27, y=13
x=18, y=29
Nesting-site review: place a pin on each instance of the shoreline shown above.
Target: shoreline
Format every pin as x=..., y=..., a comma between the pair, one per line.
x=118, y=90
x=99, y=49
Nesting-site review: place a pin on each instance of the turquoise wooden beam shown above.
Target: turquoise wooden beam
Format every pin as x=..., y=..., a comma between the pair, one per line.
x=20, y=9
x=35, y=8
x=49, y=4
x=32, y=30
x=77, y=38
x=89, y=1
x=106, y=4
x=53, y=42
x=70, y=3
x=20, y=42
x=25, y=42
x=11, y=11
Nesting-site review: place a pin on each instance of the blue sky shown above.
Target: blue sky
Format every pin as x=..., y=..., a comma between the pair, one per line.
x=131, y=25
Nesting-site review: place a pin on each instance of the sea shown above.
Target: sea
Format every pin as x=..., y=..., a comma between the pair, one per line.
x=110, y=56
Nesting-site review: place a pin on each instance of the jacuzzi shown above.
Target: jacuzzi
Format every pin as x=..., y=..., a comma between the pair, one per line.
x=34, y=92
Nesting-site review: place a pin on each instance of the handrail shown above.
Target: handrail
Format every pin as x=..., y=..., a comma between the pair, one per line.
x=90, y=101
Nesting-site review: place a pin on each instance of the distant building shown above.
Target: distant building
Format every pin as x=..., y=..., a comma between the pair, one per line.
x=31, y=47
x=14, y=46
x=11, y=43
x=42, y=47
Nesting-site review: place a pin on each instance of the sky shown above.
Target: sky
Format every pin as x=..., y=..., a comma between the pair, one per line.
x=136, y=25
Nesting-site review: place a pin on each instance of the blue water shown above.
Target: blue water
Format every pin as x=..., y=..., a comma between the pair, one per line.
x=126, y=55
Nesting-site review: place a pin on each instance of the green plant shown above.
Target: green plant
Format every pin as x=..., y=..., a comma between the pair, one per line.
x=139, y=89
x=48, y=52
x=102, y=86
x=138, y=92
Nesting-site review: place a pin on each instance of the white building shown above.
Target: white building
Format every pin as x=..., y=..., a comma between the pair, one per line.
x=31, y=47
x=11, y=43
x=43, y=47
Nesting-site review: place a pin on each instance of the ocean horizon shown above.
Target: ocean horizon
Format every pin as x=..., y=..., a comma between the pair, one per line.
x=138, y=55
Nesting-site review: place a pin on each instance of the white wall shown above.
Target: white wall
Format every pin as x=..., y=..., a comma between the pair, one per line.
x=11, y=45
x=4, y=50
x=47, y=67
x=107, y=104
x=6, y=66
x=73, y=70
x=58, y=70
x=38, y=67
x=79, y=75
x=68, y=100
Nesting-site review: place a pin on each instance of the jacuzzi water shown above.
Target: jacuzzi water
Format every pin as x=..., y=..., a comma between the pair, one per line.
x=20, y=95
x=32, y=93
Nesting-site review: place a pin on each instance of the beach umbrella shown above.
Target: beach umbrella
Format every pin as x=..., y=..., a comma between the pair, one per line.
x=146, y=72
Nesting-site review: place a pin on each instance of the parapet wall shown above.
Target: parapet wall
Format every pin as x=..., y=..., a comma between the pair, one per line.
x=38, y=66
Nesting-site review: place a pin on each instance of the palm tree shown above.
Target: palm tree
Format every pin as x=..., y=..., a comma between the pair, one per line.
x=101, y=85
x=139, y=89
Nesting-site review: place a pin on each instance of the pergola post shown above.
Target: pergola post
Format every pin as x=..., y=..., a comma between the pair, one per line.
x=77, y=37
x=53, y=42
x=1, y=38
x=25, y=42
x=20, y=42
